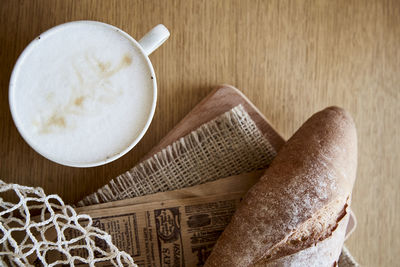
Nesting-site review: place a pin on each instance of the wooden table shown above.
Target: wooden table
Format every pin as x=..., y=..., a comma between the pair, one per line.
x=291, y=58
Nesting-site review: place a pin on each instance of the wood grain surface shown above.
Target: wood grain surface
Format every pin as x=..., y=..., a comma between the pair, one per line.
x=290, y=58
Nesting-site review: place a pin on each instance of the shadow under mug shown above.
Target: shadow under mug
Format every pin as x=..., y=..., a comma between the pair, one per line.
x=146, y=45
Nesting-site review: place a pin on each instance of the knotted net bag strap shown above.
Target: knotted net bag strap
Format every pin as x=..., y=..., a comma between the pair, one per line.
x=42, y=240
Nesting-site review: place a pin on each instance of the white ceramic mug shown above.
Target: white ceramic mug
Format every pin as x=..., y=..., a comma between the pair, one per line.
x=48, y=98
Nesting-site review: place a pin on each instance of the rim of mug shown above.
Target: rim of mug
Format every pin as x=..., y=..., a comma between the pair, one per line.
x=19, y=126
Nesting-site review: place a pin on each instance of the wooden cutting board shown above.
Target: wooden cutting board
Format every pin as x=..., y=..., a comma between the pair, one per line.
x=220, y=100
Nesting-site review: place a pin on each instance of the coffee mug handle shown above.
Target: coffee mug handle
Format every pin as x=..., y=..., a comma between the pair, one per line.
x=154, y=38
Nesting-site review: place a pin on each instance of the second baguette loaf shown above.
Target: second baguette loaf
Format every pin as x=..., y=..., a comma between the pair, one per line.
x=301, y=200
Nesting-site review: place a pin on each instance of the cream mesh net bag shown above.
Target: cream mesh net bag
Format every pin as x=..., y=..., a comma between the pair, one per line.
x=33, y=232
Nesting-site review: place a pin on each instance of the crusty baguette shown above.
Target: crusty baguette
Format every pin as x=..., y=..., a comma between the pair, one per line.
x=301, y=200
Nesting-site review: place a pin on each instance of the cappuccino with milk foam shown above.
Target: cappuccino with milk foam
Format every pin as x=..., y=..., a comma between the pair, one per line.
x=82, y=93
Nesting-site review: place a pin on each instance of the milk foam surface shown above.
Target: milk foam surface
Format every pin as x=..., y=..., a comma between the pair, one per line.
x=82, y=93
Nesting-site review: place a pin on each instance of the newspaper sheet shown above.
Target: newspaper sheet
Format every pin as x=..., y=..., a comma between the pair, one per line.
x=169, y=233
x=176, y=228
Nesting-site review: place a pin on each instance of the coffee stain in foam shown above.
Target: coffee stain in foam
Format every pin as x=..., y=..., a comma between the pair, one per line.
x=78, y=101
x=54, y=121
x=104, y=67
x=97, y=89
